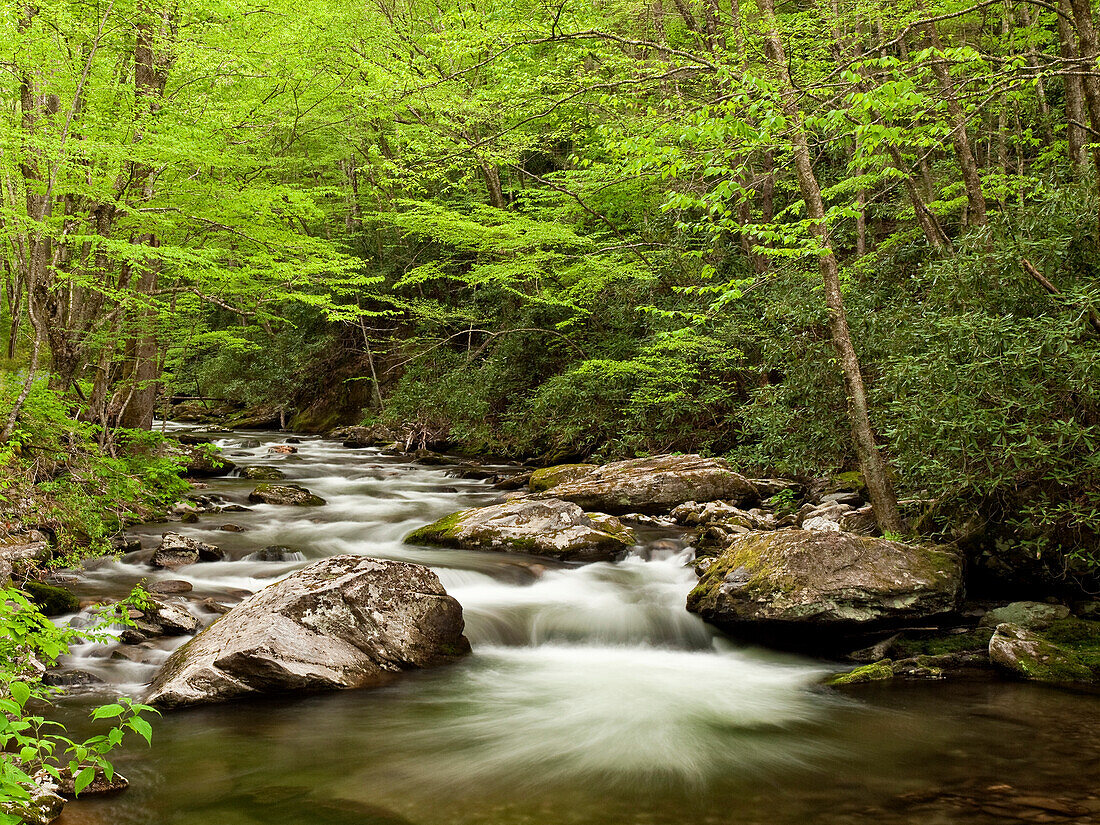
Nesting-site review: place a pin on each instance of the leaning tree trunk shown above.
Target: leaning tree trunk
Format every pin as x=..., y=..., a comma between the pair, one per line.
x=875, y=472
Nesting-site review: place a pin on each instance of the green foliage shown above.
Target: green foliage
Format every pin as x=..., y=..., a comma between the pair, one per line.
x=33, y=743
x=63, y=475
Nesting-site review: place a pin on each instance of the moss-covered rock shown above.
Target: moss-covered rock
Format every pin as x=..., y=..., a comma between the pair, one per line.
x=544, y=528
x=262, y=473
x=287, y=494
x=876, y=672
x=51, y=599
x=1029, y=655
x=548, y=477
x=790, y=579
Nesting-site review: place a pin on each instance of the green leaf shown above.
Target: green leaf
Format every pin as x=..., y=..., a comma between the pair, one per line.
x=108, y=711
x=142, y=728
x=21, y=692
x=83, y=780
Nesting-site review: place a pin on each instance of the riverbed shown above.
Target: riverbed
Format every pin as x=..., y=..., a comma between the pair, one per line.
x=591, y=697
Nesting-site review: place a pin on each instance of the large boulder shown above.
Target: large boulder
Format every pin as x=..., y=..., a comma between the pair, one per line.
x=544, y=528
x=655, y=485
x=21, y=553
x=176, y=550
x=791, y=581
x=345, y=622
x=1030, y=656
x=289, y=494
x=543, y=479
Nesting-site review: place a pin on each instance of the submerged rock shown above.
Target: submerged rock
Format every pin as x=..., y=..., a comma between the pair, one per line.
x=288, y=494
x=345, y=622
x=275, y=552
x=793, y=579
x=655, y=485
x=543, y=528
x=1029, y=655
x=175, y=551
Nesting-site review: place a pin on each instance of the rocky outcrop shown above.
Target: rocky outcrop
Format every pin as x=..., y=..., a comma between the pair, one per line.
x=374, y=436
x=545, y=528
x=286, y=494
x=160, y=617
x=175, y=551
x=345, y=622
x=21, y=553
x=790, y=580
x=1029, y=655
x=655, y=485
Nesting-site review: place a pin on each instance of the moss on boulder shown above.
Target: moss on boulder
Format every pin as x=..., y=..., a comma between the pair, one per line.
x=877, y=672
x=798, y=578
x=1030, y=655
x=51, y=599
x=547, y=477
x=545, y=528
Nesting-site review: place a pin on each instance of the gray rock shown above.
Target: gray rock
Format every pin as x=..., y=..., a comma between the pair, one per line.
x=850, y=498
x=287, y=494
x=202, y=460
x=1028, y=615
x=345, y=622
x=545, y=528
x=175, y=551
x=43, y=807
x=1028, y=655
x=821, y=524
x=692, y=512
x=655, y=485
x=800, y=578
x=21, y=552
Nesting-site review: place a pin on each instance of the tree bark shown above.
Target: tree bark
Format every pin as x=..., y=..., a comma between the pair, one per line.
x=1090, y=50
x=1076, y=137
x=875, y=471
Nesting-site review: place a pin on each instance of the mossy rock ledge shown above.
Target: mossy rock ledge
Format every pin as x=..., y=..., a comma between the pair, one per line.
x=550, y=527
x=344, y=622
x=285, y=494
x=648, y=485
x=796, y=584
x=1037, y=657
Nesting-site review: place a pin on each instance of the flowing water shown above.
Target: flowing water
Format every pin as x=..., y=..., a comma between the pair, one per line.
x=592, y=697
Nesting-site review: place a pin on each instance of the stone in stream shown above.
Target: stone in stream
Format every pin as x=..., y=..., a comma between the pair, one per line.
x=42, y=808
x=344, y=622
x=262, y=473
x=175, y=551
x=790, y=583
x=289, y=494
x=282, y=449
x=654, y=485
x=170, y=587
x=275, y=552
x=542, y=528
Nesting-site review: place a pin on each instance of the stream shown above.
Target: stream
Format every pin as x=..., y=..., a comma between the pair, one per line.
x=592, y=696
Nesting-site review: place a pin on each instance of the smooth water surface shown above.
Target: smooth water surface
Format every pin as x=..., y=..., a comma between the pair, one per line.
x=591, y=697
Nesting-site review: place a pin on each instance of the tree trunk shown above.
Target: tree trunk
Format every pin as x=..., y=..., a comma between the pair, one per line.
x=1076, y=137
x=963, y=152
x=875, y=472
x=1090, y=50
